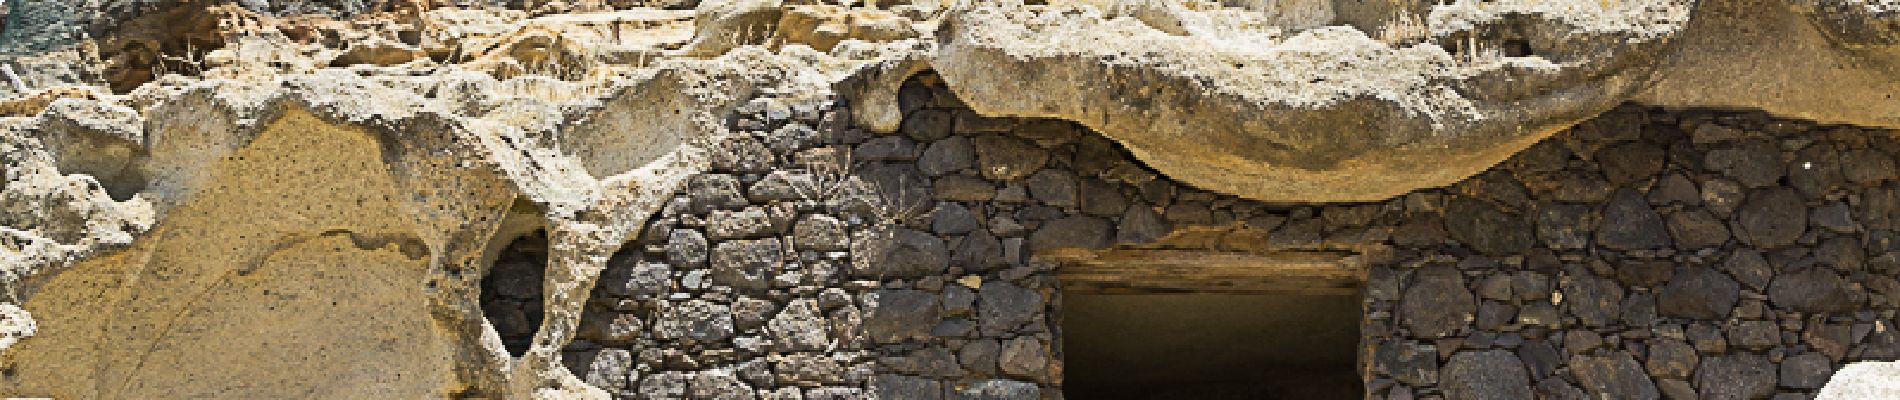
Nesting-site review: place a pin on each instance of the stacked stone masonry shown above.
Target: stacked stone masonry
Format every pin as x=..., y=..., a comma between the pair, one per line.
x=1646, y=254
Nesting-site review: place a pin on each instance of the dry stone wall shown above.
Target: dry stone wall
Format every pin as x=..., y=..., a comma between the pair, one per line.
x=1646, y=254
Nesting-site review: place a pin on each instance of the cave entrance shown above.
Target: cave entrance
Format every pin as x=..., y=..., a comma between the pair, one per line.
x=511, y=291
x=1197, y=325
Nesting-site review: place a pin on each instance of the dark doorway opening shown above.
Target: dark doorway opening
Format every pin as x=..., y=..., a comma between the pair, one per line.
x=1210, y=346
x=511, y=292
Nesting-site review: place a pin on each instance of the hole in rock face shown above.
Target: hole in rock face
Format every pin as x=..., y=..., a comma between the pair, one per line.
x=1516, y=48
x=1210, y=346
x=512, y=291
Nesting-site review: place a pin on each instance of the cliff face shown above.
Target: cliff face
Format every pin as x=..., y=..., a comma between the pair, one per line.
x=229, y=199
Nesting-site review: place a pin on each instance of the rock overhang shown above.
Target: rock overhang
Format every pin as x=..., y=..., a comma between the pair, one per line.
x=1209, y=96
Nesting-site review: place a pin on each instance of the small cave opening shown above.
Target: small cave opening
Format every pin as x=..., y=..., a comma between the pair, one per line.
x=511, y=292
x=1211, y=346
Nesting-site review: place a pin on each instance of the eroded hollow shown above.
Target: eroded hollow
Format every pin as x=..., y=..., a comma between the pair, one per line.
x=1210, y=346
x=511, y=292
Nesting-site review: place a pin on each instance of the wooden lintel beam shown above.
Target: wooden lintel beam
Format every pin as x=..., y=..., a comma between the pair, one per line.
x=1132, y=271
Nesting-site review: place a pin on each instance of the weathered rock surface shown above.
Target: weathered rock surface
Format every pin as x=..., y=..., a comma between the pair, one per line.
x=179, y=175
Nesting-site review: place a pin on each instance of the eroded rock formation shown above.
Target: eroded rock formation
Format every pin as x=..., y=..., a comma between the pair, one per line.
x=181, y=174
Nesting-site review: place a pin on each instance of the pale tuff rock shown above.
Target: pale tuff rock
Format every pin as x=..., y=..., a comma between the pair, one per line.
x=1863, y=380
x=179, y=176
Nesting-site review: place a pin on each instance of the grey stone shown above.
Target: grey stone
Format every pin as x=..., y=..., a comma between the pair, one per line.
x=1595, y=300
x=963, y=188
x=997, y=389
x=1072, y=232
x=686, y=248
x=1053, y=187
x=791, y=137
x=977, y=252
x=1736, y=376
x=1675, y=189
x=610, y=327
x=1714, y=133
x=847, y=323
x=1706, y=337
x=756, y=372
x=1540, y=357
x=1007, y=158
x=1407, y=361
x=1722, y=196
x=1754, y=335
x=933, y=361
x=895, y=316
x=1023, y=357
x=1814, y=290
x=741, y=154
x=1834, y=216
x=1671, y=358
x=1436, y=303
x=664, y=385
x=719, y=384
x=927, y=125
x=947, y=156
x=1645, y=273
x=954, y=328
x=1101, y=198
x=1565, y=226
x=1630, y=162
x=700, y=320
x=610, y=369
x=1495, y=316
x=1754, y=163
x=1298, y=233
x=958, y=300
x=784, y=393
x=1676, y=389
x=746, y=264
x=751, y=222
x=1002, y=307
x=953, y=219
x=1771, y=218
x=1639, y=310
x=1880, y=208
x=1614, y=375
x=1816, y=170
x=784, y=186
x=707, y=192
x=1806, y=371
x=1530, y=285
x=898, y=252
x=836, y=393
x=819, y=232
x=1699, y=293
x=1867, y=167
x=1695, y=229
x=1492, y=374
x=1189, y=213
x=1843, y=253
x=887, y=148
x=1495, y=287
x=1558, y=389
x=1141, y=224
x=1486, y=228
x=980, y=355
x=891, y=386
x=799, y=327
x=637, y=279
x=1581, y=342
x=1749, y=267
x=1629, y=224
